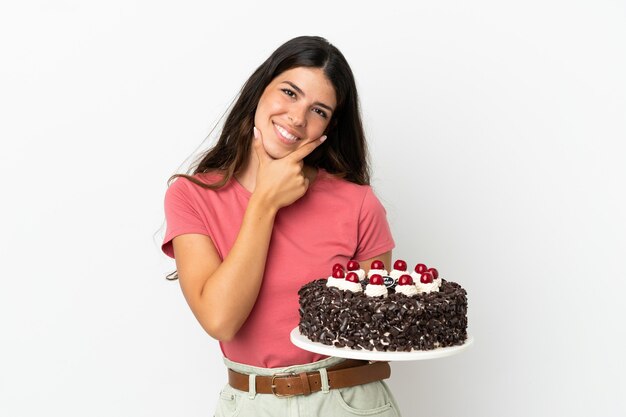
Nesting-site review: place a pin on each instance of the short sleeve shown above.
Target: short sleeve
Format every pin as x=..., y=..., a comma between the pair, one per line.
x=374, y=234
x=181, y=214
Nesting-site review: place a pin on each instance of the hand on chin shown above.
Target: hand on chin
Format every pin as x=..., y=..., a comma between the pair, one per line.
x=278, y=151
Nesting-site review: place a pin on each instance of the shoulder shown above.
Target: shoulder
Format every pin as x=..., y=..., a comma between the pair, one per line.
x=208, y=178
x=361, y=194
x=192, y=192
x=189, y=184
x=338, y=185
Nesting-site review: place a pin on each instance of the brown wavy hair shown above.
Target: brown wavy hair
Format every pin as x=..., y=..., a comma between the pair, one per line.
x=343, y=154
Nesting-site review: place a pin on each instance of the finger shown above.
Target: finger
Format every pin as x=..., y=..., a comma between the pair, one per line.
x=301, y=153
x=259, y=148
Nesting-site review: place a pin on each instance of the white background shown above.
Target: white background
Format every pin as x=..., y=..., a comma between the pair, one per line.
x=497, y=135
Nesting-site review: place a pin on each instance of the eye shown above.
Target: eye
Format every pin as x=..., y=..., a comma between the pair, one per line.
x=320, y=112
x=288, y=92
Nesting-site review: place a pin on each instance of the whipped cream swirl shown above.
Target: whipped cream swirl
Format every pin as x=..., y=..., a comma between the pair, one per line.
x=430, y=287
x=352, y=286
x=335, y=282
x=417, y=277
x=381, y=272
x=396, y=274
x=359, y=273
x=375, y=290
x=407, y=290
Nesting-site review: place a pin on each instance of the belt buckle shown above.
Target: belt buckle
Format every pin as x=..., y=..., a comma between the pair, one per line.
x=273, y=386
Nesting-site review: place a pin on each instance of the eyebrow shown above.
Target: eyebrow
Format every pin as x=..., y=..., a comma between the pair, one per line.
x=318, y=103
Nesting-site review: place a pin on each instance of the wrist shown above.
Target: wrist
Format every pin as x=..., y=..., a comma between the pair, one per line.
x=261, y=206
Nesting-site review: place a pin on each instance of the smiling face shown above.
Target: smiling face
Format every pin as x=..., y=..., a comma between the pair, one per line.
x=295, y=109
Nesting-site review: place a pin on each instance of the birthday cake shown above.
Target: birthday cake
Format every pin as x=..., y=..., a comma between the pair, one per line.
x=384, y=311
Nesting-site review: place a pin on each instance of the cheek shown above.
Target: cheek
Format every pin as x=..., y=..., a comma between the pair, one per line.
x=269, y=104
x=318, y=127
x=261, y=109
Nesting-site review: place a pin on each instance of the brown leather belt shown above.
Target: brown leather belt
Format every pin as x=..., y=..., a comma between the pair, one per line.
x=346, y=374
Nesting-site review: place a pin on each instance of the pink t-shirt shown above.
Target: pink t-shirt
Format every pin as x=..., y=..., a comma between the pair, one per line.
x=335, y=221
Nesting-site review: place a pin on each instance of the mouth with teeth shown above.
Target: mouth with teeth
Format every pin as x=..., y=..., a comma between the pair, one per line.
x=284, y=135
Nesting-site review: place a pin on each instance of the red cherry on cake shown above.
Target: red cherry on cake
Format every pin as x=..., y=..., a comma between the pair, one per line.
x=376, y=279
x=337, y=266
x=420, y=268
x=352, y=277
x=377, y=265
x=338, y=273
x=353, y=266
x=426, y=278
x=434, y=272
x=405, y=280
x=399, y=265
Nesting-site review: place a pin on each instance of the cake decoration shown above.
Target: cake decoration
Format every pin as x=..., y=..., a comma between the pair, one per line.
x=399, y=269
x=406, y=285
x=427, y=283
x=376, y=286
x=377, y=267
x=354, y=266
x=337, y=278
x=418, y=271
x=352, y=283
x=435, y=276
x=334, y=311
x=419, y=268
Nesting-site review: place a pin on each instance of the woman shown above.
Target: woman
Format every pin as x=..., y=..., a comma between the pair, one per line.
x=280, y=198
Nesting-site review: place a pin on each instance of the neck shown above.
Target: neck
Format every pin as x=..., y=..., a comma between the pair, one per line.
x=247, y=175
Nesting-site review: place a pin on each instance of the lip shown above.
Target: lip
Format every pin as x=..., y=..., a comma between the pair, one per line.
x=284, y=139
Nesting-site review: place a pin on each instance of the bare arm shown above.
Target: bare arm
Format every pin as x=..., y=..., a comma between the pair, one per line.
x=221, y=294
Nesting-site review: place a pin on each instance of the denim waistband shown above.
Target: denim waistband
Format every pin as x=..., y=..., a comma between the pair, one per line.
x=307, y=367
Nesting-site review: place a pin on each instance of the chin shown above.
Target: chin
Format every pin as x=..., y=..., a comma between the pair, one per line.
x=276, y=151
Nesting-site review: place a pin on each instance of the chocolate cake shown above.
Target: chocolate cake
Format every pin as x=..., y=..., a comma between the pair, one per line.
x=345, y=316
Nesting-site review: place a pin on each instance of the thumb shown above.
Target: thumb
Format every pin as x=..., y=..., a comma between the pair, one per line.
x=300, y=153
x=257, y=143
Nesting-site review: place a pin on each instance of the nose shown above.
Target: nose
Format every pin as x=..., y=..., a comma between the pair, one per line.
x=297, y=116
